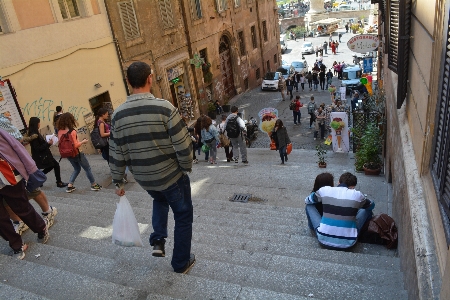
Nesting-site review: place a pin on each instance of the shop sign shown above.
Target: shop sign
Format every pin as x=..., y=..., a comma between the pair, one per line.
x=175, y=72
x=363, y=43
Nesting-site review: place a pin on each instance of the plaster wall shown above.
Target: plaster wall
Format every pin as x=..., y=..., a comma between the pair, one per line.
x=425, y=12
x=40, y=15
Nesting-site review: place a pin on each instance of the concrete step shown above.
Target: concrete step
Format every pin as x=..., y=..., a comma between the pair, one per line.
x=10, y=292
x=103, y=218
x=55, y=283
x=142, y=271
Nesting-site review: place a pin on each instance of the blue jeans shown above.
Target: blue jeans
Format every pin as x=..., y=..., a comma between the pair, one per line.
x=178, y=197
x=316, y=85
x=297, y=116
x=78, y=162
x=314, y=217
x=283, y=154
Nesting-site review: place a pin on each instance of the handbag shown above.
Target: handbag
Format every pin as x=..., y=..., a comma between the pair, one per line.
x=35, y=180
x=289, y=148
x=205, y=148
x=224, y=141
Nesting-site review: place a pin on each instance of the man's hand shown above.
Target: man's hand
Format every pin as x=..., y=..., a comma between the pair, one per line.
x=120, y=192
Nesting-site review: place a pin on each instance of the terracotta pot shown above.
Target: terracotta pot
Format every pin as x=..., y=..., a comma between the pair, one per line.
x=372, y=171
x=324, y=165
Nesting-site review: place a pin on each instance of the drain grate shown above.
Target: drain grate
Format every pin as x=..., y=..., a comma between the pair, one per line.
x=241, y=198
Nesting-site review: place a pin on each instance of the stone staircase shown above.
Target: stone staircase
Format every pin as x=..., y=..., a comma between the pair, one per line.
x=254, y=250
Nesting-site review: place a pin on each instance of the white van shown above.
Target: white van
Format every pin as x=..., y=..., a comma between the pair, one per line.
x=283, y=42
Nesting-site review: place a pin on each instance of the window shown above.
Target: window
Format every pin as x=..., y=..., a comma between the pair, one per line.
x=398, y=50
x=165, y=7
x=440, y=166
x=258, y=74
x=221, y=5
x=69, y=9
x=196, y=9
x=237, y=3
x=275, y=58
x=253, y=31
x=241, y=42
x=268, y=66
x=264, y=26
x=129, y=21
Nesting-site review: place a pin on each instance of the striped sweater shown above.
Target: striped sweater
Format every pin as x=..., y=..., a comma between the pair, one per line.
x=340, y=205
x=149, y=136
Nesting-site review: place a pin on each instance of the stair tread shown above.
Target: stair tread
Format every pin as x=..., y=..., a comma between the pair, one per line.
x=10, y=292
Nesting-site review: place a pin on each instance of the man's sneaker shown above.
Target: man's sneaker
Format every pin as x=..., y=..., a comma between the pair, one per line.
x=43, y=236
x=158, y=249
x=20, y=253
x=70, y=189
x=50, y=216
x=20, y=227
x=188, y=265
x=236, y=160
x=245, y=162
x=96, y=187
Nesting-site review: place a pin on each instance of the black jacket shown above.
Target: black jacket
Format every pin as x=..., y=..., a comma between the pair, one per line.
x=40, y=152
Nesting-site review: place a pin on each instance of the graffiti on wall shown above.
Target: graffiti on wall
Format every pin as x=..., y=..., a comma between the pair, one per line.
x=45, y=108
x=244, y=70
x=218, y=89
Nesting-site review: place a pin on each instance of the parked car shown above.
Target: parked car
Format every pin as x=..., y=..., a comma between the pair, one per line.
x=307, y=47
x=284, y=69
x=298, y=66
x=270, y=81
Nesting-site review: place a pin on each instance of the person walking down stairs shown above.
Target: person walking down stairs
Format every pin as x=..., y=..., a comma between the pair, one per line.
x=149, y=136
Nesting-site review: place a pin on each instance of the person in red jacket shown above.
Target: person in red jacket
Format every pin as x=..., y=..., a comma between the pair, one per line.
x=296, y=111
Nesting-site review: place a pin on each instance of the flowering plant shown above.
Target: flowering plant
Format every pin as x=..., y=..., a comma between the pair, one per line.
x=332, y=89
x=337, y=124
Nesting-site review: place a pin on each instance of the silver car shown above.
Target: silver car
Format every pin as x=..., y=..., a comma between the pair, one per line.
x=307, y=47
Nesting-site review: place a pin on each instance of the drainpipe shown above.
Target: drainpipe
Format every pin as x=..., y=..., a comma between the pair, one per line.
x=190, y=52
x=261, y=39
x=116, y=44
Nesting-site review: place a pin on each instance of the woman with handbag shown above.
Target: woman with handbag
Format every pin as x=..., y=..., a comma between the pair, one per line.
x=281, y=138
x=103, y=128
x=224, y=140
x=210, y=137
x=40, y=151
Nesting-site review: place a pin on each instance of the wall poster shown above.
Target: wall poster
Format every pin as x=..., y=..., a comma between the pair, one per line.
x=9, y=105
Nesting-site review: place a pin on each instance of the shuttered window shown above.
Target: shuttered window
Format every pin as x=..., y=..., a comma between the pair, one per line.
x=69, y=9
x=241, y=43
x=196, y=9
x=441, y=155
x=165, y=7
x=398, y=49
x=221, y=5
x=264, y=27
x=253, y=33
x=129, y=20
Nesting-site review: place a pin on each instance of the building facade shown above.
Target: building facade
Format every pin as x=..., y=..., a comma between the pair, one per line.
x=415, y=74
x=60, y=53
x=199, y=50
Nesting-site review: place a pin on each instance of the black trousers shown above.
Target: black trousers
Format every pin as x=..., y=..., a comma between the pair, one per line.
x=56, y=168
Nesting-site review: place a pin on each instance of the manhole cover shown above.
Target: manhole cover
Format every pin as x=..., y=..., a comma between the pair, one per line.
x=240, y=198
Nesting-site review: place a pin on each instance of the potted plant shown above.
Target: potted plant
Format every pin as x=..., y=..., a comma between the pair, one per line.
x=321, y=151
x=212, y=110
x=354, y=27
x=368, y=154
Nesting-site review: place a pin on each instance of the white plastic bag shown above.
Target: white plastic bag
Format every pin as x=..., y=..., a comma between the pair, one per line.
x=125, y=226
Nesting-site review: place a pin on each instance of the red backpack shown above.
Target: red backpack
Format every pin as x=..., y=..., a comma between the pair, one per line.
x=67, y=146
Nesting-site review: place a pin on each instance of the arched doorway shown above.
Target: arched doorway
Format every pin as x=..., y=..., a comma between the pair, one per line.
x=226, y=68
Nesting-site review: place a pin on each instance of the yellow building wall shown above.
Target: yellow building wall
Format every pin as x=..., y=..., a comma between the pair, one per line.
x=40, y=15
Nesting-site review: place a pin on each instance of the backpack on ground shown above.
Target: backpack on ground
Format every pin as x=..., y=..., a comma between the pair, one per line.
x=292, y=106
x=66, y=145
x=311, y=108
x=232, y=128
x=381, y=230
x=97, y=140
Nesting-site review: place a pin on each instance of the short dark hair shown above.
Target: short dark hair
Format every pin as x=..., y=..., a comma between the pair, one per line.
x=323, y=179
x=279, y=122
x=297, y=97
x=312, y=97
x=234, y=109
x=349, y=179
x=58, y=108
x=137, y=74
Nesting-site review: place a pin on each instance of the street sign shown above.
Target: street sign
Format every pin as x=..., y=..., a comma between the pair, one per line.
x=368, y=65
x=363, y=43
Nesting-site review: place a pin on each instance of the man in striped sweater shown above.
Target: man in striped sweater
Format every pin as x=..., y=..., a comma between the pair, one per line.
x=149, y=137
x=345, y=210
